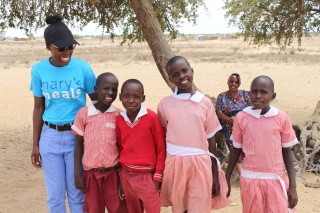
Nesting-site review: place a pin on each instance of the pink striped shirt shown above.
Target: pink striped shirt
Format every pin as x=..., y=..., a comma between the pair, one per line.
x=99, y=134
x=189, y=121
x=262, y=137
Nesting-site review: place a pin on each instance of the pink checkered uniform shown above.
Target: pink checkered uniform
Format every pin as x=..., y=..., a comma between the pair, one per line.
x=99, y=134
x=187, y=179
x=100, y=151
x=262, y=137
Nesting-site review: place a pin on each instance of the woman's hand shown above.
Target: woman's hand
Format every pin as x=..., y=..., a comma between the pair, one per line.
x=35, y=158
x=224, y=117
x=37, y=122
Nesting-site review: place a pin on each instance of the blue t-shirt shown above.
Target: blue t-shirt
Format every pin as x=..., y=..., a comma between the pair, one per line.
x=64, y=88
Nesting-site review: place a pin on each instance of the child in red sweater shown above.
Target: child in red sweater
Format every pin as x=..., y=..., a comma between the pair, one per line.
x=141, y=143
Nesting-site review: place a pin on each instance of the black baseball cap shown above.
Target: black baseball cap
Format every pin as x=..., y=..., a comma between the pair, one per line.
x=57, y=33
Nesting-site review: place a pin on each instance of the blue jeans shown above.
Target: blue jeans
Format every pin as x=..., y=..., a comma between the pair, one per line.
x=57, y=158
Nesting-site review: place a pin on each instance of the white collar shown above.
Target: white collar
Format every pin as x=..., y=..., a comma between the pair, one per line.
x=143, y=111
x=92, y=110
x=196, y=97
x=256, y=112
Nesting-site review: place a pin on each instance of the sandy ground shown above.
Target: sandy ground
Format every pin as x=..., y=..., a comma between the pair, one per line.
x=296, y=83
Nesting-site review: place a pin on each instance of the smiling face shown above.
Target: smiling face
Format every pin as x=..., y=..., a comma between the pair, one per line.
x=233, y=83
x=261, y=93
x=107, y=90
x=59, y=59
x=132, y=96
x=181, y=75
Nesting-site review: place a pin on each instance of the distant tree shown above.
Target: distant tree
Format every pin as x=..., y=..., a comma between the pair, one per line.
x=137, y=20
x=280, y=21
x=274, y=21
x=30, y=36
x=2, y=34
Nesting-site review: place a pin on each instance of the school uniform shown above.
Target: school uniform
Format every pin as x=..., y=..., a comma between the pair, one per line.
x=187, y=183
x=100, y=158
x=142, y=156
x=263, y=184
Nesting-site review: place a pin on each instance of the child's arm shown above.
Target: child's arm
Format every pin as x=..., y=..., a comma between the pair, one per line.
x=233, y=159
x=237, y=137
x=159, y=136
x=78, y=152
x=292, y=192
x=215, y=178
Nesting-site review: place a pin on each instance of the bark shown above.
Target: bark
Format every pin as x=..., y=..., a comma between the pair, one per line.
x=222, y=150
x=153, y=34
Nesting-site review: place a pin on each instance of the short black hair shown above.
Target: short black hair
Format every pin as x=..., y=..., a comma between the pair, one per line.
x=174, y=59
x=134, y=81
x=237, y=76
x=103, y=75
x=264, y=77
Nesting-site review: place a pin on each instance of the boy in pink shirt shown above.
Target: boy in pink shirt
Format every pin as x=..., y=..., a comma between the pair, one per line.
x=142, y=150
x=96, y=147
x=265, y=135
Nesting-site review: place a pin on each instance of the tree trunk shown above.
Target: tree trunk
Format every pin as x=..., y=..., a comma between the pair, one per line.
x=153, y=34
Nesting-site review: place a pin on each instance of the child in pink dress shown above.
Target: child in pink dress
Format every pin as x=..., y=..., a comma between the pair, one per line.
x=265, y=135
x=192, y=181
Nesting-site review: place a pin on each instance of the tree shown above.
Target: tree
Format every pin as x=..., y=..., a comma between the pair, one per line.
x=138, y=20
x=269, y=21
x=280, y=21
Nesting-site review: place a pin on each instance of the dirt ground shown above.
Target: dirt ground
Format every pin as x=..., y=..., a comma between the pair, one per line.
x=296, y=77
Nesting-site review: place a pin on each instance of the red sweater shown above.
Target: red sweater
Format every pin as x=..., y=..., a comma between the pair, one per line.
x=142, y=146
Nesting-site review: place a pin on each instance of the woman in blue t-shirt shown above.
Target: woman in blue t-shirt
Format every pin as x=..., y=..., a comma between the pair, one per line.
x=59, y=85
x=228, y=104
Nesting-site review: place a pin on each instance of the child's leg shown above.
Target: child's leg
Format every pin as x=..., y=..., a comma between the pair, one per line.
x=75, y=196
x=53, y=169
x=93, y=199
x=239, y=163
x=200, y=198
x=239, y=167
x=109, y=186
x=148, y=193
x=262, y=196
x=128, y=180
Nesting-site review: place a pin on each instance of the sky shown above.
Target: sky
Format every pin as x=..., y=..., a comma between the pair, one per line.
x=211, y=22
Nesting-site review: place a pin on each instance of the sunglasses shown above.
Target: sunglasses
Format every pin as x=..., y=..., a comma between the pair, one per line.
x=61, y=49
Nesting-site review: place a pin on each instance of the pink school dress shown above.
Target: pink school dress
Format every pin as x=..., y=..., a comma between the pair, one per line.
x=263, y=184
x=187, y=178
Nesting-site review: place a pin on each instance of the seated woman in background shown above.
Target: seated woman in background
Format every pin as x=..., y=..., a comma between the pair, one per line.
x=228, y=104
